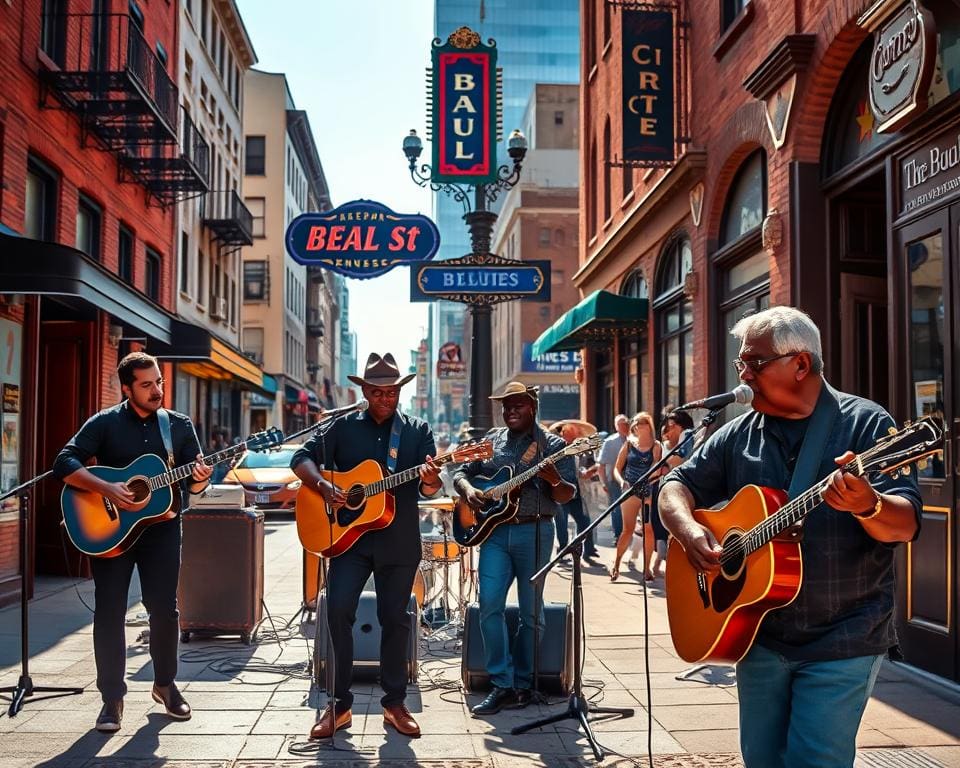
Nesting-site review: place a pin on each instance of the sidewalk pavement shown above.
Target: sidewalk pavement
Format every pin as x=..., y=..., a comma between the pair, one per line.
x=253, y=705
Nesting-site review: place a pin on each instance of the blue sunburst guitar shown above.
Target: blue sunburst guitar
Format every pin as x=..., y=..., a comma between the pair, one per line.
x=98, y=528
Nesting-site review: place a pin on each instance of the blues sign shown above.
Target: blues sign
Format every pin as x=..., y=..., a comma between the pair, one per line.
x=459, y=280
x=361, y=239
x=465, y=108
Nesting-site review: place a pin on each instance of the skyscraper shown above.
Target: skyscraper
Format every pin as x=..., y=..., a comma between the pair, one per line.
x=538, y=41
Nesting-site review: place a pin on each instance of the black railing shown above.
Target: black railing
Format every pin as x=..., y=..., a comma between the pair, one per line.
x=195, y=150
x=104, y=63
x=225, y=213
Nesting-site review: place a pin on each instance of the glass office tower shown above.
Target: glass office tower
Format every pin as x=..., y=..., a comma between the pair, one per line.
x=538, y=41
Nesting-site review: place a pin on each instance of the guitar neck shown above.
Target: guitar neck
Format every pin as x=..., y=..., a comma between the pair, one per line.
x=177, y=474
x=794, y=511
x=499, y=491
x=400, y=478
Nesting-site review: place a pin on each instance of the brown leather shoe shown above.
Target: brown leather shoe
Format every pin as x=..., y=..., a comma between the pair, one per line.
x=172, y=700
x=323, y=728
x=110, y=716
x=400, y=718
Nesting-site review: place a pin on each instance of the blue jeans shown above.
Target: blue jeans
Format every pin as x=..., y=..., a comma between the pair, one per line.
x=802, y=714
x=574, y=508
x=616, y=516
x=509, y=552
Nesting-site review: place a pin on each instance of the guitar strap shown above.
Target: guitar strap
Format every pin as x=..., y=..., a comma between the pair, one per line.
x=163, y=418
x=811, y=451
x=393, y=453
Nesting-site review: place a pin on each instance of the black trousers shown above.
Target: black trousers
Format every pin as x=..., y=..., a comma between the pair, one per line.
x=345, y=581
x=156, y=555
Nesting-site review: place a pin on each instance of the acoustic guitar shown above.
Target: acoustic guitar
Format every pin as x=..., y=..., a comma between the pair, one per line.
x=716, y=616
x=501, y=495
x=369, y=505
x=97, y=527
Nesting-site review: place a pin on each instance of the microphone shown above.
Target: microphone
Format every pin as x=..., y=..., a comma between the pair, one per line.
x=360, y=405
x=742, y=394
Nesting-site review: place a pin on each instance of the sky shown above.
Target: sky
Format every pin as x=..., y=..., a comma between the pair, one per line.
x=357, y=68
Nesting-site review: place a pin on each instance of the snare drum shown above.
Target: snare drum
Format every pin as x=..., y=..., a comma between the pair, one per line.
x=436, y=550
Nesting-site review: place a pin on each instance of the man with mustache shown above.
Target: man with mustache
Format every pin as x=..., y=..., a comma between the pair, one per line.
x=115, y=437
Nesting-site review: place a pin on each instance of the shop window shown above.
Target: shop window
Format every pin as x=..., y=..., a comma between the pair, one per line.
x=89, y=225
x=125, y=243
x=40, y=202
x=255, y=281
x=257, y=206
x=256, y=155
x=603, y=387
x=634, y=354
x=151, y=283
x=674, y=324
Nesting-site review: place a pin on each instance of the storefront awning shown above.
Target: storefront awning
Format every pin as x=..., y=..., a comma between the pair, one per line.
x=51, y=269
x=599, y=318
x=202, y=355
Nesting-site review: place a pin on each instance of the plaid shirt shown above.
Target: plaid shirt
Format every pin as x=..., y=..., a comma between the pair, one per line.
x=846, y=602
x=520, y=453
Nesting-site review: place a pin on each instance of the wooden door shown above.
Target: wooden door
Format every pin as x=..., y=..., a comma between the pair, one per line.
x=865, y=363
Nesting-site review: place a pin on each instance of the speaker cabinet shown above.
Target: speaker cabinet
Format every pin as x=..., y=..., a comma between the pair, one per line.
x=221, y=572
x=556, y=648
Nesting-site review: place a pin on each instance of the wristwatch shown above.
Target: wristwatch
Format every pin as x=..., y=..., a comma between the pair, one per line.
x=870, y=515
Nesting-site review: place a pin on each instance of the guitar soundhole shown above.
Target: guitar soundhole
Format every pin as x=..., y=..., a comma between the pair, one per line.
x=731, y=549
x=139, y=487
x=354, y=496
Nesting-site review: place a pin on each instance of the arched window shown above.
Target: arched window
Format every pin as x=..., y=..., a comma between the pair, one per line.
x=742, y=266
x=592, y=194
x=606, y=171
x=674, y=320
x=634, y=354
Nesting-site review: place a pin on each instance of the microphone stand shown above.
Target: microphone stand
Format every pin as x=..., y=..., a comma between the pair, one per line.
x=578, y=708
x=25, y=688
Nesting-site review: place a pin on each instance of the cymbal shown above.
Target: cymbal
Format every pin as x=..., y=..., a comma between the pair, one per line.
x=582, y=428
x=444, y=503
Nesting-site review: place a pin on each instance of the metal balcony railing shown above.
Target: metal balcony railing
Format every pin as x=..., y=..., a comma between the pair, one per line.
x=224, y=213
x=172, y=172
x=102, y=66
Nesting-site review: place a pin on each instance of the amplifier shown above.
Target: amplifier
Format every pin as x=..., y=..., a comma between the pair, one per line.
x=556, y=649
x=366, y=640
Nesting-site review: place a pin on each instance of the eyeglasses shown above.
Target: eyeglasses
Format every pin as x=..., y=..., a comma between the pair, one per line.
x=758, y=365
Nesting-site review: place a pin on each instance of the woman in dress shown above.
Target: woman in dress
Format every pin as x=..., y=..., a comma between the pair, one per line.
x=639, y=452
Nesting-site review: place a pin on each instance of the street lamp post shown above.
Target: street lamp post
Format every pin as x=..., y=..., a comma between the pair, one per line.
x=480, y=220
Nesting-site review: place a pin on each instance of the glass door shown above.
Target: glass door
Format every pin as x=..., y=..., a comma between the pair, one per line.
x=926, y=256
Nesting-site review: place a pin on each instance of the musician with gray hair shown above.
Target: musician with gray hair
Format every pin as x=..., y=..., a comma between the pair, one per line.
x=804, y=684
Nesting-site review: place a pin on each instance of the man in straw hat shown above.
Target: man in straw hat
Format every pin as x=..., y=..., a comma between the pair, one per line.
x=512, y=549
x=392, y=554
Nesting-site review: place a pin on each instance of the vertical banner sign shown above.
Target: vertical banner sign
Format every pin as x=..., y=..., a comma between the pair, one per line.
x=649, y=132
x=464, y=96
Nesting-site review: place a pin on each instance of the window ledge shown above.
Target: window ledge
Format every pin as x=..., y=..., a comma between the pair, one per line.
x=201, y=307
x=627, y=199
x=593, y=73
x=608, y=222
x=732, y=33
x=186, y=296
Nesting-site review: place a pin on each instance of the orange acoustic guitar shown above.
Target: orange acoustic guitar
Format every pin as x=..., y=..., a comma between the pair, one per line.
x=715, y=616
x=369, y=505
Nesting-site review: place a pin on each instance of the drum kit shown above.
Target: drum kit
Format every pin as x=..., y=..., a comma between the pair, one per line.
x=447, y=569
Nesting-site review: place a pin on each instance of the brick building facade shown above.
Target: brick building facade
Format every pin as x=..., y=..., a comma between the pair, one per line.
x=92, y=154
x=788, y=191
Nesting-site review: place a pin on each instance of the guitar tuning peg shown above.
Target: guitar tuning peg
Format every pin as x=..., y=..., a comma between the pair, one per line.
x=892, y=431
x=895, y=474
x=905, y=471
x=907, y=423
x=922, y=464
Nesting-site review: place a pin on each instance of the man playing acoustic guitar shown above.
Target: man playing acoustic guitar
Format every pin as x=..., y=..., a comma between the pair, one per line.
x=804, y=684
x=392, y=554
x=116, y=437
x=510, y=550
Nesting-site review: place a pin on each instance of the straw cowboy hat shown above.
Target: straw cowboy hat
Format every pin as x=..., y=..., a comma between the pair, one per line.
x=381, y=372
x=579, y=427
x=518, y=388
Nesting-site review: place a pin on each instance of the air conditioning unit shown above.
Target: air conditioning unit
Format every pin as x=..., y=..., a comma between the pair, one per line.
x=218, y=310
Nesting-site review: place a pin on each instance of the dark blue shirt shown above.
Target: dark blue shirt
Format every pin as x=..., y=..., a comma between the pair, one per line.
x=117, y=436
x=520, y=453
x=846, y=601
x=356, y=438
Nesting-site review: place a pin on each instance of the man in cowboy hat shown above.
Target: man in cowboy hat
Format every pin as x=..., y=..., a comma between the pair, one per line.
x=392, y=554
x=512, y=550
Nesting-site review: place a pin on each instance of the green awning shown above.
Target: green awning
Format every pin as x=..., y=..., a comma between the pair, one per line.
x=599, y=318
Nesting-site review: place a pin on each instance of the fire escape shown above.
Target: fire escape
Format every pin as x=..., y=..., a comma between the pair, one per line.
x=101, y=67
x=231, y=222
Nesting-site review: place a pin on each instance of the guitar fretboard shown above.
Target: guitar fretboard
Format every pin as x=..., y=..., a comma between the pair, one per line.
x=499, y=491
x=392, y=481
x=177, y=474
